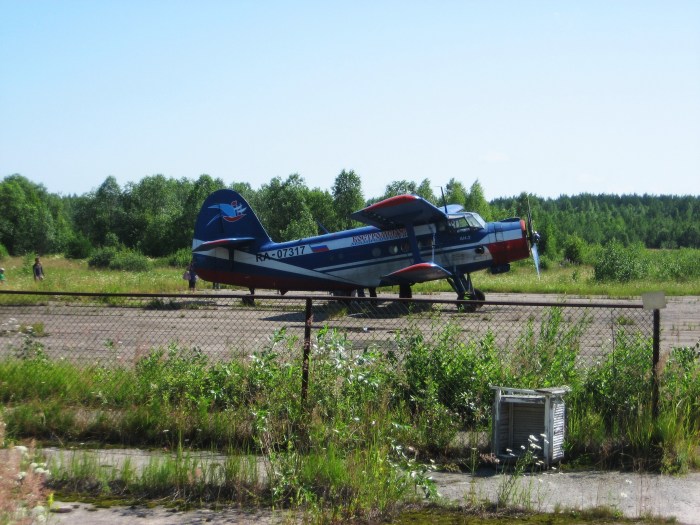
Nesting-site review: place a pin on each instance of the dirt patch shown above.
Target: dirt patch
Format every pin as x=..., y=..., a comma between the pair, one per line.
x=222, y=327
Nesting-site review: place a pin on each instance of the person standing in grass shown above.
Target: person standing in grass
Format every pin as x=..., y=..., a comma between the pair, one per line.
x=191, y=277
x=38, y=270
x=2, y=276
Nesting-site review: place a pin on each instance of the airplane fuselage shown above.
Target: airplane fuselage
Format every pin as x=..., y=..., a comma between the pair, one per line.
x=366, y=257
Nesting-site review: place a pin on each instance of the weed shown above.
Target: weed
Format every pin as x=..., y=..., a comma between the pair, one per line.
x=23, y=497
x=34, y=330
x=514, y=490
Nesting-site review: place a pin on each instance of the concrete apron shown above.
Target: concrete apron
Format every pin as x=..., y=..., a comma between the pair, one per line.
x=633, y=494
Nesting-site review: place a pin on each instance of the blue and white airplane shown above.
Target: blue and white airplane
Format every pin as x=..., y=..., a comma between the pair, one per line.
x=408, y=240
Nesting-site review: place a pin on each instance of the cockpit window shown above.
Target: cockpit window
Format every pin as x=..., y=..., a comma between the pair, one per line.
x=466, y=221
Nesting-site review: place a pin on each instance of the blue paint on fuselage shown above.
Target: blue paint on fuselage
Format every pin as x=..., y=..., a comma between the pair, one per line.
x=347, y=264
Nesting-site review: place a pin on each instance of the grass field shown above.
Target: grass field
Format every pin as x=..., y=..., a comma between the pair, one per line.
x=66, y=275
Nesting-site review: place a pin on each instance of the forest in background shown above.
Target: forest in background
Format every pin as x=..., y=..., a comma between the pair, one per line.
x=155, y=216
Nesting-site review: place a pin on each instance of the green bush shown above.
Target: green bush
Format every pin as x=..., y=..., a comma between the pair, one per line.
x=548, y=358
x=130, y=261
x=180, y=259
x=616, y=263
x=3, y=252
x=452, y=374
x=78, y=247
x=620, y=384
x=102, y=257
x=575, y=250
x=116, y=259
x=675, y=265
x=681, y=381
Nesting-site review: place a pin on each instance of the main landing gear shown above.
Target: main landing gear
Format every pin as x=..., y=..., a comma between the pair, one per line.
x=465, y=291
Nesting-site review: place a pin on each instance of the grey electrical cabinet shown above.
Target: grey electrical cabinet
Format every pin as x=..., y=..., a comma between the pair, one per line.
x=527, y=419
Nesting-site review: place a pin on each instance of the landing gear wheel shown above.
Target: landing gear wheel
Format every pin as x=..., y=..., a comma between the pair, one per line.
x=373, y=295
x=467, y=307
x=475, y=295
x=405, y=291
x=249, y=300
x=346, y=296
x=478, y=295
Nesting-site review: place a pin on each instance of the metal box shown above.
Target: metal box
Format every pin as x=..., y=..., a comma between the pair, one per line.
x=519, y=413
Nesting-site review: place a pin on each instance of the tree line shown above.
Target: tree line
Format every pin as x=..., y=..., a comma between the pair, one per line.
x=155, y=216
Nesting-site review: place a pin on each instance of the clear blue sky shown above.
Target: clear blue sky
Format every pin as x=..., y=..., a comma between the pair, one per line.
x=549, y=97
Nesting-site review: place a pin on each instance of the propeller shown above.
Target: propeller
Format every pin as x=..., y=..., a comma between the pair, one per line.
x=534, y=239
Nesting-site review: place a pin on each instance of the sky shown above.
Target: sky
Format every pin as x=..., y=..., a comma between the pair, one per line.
x=547, y=97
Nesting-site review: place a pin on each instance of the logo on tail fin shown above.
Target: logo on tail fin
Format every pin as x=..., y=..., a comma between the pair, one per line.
x=228, y=212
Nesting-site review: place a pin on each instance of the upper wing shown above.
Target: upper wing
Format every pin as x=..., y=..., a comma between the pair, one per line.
x=399, y=211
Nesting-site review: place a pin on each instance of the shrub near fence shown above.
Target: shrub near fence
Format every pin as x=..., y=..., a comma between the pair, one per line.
x=214, y=370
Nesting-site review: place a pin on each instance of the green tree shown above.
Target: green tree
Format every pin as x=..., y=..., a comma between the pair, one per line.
x=302, y=225
x=195, y=195
x=475, y=201
x=323, y=213
x=101, y=212
x=32, y=220
x=455, y=192
x=282, y=203
x=347, y=198
x=399, y=187
x=153, y=207
x=425, y=190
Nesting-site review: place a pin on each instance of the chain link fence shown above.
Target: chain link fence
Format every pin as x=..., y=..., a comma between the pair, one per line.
x=441, y=355
x=119, y=329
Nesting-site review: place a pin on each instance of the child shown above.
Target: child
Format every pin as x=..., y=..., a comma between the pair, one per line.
x=2, y=275
x=38, y=270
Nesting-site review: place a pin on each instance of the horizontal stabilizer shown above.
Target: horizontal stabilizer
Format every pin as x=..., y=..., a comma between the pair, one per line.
x=417, y=273
x=232, y=242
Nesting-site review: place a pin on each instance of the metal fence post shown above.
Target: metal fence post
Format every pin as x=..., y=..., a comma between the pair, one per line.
x=655, y=364
x=654, y=301
x=309, y=317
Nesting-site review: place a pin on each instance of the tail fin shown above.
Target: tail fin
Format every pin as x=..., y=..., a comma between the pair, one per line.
x=226, y=219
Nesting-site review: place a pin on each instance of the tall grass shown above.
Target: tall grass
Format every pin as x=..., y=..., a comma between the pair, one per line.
x=418, y=397
x=67, y=275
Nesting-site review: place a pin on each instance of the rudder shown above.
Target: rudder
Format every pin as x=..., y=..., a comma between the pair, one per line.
x=225, y=214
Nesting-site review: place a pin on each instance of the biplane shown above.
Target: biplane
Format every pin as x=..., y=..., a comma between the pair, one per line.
x=406, y=240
